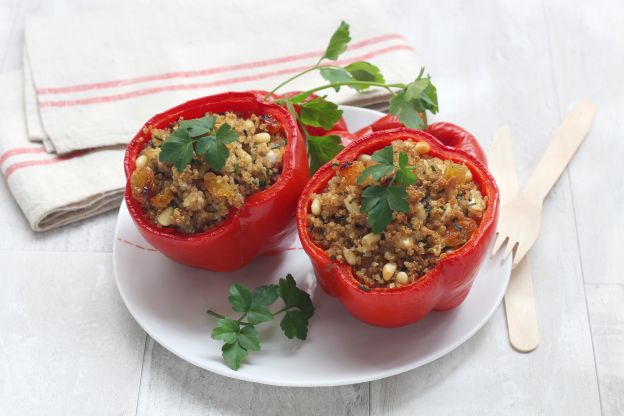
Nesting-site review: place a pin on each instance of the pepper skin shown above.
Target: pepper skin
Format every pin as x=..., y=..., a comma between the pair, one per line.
x=443, y=287
x=264, y=222
x=448, y=133
x=458, y=138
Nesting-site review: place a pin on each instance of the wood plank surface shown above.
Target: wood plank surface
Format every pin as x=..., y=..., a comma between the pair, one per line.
x=68, y=343
x=606, y=312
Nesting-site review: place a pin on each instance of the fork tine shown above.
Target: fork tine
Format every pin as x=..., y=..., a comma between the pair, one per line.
x=500, y=240
x=509, y=248
x=521, y=251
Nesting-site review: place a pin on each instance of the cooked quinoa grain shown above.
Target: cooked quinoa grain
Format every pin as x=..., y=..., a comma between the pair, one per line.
x=445, y=207
x=199, y=197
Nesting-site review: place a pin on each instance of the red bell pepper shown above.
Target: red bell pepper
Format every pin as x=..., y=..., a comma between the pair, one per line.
x=448, y=133
x=458, y=138
x=443, y=287
x=386, y=122
x=261, y=225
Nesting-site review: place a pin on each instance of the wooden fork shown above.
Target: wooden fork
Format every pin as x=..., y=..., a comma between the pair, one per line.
x=519, y=220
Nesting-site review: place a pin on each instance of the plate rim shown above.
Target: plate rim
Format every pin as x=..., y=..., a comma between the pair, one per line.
x=226, y=372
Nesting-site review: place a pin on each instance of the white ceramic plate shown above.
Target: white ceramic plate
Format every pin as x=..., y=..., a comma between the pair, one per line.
x=170, y=300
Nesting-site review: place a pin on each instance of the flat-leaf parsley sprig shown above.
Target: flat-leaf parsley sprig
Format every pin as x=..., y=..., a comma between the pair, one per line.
x=197, y=137
x=378, y=201
x=240, y=335
x=409, y=102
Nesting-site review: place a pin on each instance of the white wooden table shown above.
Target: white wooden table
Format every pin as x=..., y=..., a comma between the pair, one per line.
x=70, y=347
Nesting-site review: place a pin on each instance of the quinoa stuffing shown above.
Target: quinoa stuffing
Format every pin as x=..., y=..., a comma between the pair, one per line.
x=199, y=197
x=445, y=207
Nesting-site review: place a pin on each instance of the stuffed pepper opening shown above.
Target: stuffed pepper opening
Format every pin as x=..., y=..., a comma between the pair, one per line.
x=429, y=206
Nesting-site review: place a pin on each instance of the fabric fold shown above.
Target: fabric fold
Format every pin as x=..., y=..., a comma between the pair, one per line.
x=53, y=190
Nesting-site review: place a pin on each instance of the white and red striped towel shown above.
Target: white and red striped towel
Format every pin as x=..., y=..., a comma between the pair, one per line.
x=53, y=190
x=91, y=81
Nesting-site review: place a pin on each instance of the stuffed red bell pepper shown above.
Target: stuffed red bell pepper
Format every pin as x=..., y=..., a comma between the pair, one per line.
x=214, y=182
x=398, y=225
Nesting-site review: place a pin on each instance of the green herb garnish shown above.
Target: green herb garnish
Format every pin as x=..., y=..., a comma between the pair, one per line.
x=322, y=149
x=195, y=137
x=409, y=102
x=378, y=201
x=240, y=335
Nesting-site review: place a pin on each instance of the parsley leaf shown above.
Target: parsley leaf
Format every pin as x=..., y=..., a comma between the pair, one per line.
x=249, y=338
x=384, y=166
x=423, y=94
x=261, y=298
x=295, y=324
x=191, y=138
x=233, y=355
x=376, y=171
x=380, y=201
x=213, y=147
x=265, y=295
x=385, y=156
x=295, y=297
x=240, y=297
x=405, y=175
x=320, y=113
x=364, y=71
x=322, y=149
x=336, y=75
x=226, y=330
x=177, y=149
x=240, y=336
x=404, y=109
x=338, y=42
x=410, y=104
x=198, y=127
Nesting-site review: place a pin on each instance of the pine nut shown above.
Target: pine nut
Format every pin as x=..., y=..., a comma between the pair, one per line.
x=262, y=137
x=468, y=175
x=141, y=161
x=165, y=218
x=315, y=207
x=349, y=256
x=371, y=238
x=388, y=271
x=271, y=157
x=352, y=207
x=248, y=125
x=364, y=157
x=407, y=242
x=402, y=278
x=422, y=147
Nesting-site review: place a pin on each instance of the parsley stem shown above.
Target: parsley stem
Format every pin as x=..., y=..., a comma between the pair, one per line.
x=219, y=316
x=216, y=315
x=291, y=79
x=284, y=309
x=347, y=84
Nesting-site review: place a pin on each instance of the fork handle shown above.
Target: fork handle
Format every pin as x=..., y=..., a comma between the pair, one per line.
x=563, y=145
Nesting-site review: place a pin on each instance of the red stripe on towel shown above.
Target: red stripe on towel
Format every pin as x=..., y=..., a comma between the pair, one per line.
x=29, y=163
x=20, y=151
x=207, y=71
x=229, y=81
